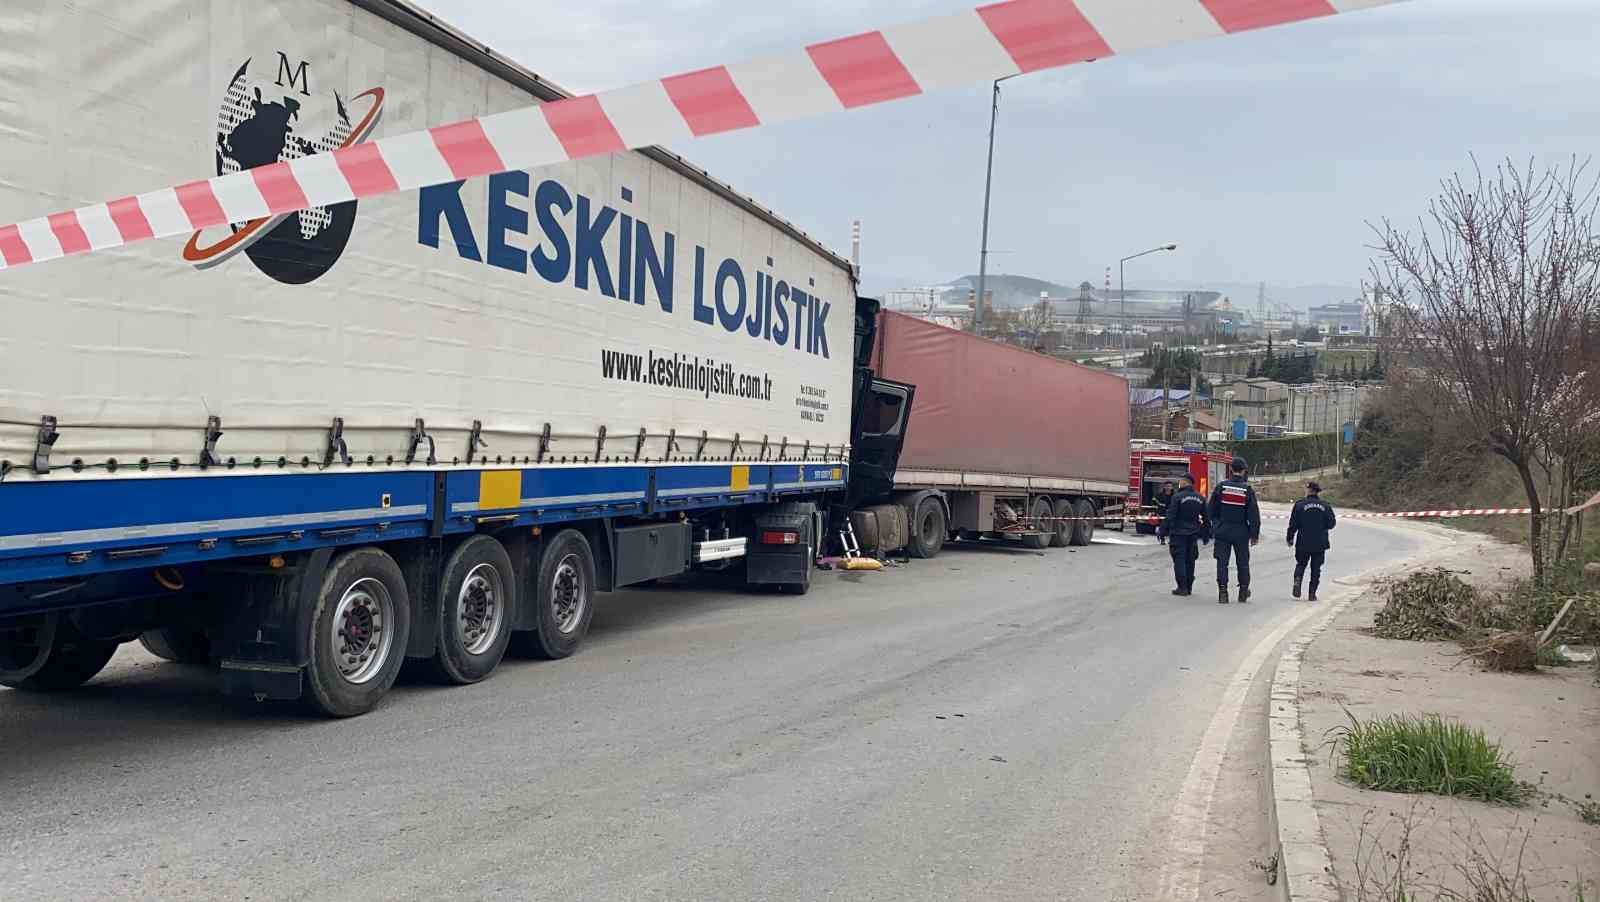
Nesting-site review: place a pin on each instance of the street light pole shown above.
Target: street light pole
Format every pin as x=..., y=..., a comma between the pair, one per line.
x=988, y=185
x=1122, y=291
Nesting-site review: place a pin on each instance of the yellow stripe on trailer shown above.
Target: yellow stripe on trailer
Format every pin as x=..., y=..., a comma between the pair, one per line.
x=499, y=489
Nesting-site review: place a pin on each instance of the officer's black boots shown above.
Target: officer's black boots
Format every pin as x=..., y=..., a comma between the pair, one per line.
x=1222, y=595
x=1296, y=590
x=1244, y=594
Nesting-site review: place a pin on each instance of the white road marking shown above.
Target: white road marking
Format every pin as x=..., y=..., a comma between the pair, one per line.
x=1193, y=809
x=1192, y=813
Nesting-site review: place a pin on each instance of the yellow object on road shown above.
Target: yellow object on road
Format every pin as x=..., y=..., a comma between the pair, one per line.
x=862, y=563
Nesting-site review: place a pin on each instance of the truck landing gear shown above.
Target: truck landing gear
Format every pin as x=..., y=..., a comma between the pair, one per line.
x=48, y=654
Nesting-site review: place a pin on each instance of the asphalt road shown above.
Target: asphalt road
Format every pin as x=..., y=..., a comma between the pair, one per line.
x=992, y=724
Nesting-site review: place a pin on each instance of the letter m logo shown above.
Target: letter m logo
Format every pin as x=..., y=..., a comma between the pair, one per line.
x=299, y=77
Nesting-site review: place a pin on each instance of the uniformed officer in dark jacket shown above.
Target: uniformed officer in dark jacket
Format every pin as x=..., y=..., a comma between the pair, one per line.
x=1185, y=527
x=1163, y=498
x=1308, y=534
x=1236, y=525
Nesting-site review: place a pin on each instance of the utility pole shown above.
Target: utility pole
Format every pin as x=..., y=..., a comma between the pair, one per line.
x=988, y=185
x=1122, y=290
x=1194, y=370
x=1165, y=362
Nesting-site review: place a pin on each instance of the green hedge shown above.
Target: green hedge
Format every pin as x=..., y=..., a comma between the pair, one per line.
x=1268, y=456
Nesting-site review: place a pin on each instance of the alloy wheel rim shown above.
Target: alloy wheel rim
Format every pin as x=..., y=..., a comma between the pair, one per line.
x=480, y=609
x=363, y=631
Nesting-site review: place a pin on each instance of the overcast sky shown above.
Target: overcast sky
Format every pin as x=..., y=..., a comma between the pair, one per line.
x=1263, y=155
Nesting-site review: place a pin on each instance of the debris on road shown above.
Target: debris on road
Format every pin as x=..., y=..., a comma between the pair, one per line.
x=1425, y=606
x=1510, y=651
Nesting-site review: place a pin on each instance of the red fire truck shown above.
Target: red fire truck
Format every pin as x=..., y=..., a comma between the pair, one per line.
x=1152, y=463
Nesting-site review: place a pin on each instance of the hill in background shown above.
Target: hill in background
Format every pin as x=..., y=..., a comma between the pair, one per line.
x=1013, y=291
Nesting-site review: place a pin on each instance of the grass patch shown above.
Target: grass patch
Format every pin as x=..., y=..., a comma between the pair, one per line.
x=1334, y=360
x=1426, y=753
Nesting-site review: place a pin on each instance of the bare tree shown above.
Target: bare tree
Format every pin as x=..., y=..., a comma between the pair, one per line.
x=1038, y=318
x=1488, y=303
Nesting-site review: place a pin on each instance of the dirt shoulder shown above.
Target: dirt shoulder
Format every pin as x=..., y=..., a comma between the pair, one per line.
x=1549, y=723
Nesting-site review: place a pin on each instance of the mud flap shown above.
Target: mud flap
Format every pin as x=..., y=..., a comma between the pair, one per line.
x=264, y=643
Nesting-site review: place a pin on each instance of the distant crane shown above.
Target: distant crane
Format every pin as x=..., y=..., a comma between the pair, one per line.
x=1266, y=308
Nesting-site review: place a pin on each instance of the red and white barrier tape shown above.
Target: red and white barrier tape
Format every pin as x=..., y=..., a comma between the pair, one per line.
x=1424, y=515
x=1368, y=515
x=979, y=45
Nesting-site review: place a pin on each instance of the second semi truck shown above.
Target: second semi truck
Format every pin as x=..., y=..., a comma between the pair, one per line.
x=1004, y=442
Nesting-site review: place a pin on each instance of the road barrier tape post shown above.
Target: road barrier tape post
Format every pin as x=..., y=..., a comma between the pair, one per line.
x=975, y=46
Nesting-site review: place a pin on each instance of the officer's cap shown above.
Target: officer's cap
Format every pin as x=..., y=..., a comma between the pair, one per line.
x=1240, y=463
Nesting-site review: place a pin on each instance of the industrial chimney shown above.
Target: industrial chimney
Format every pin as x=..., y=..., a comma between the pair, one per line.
x=855, y=248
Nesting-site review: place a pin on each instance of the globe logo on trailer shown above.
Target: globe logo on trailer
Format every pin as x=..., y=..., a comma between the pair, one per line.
x=277, y=118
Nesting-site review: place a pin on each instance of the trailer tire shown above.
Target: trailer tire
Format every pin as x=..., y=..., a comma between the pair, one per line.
x=180, y=646
x=1062, y=529
x=477, y=606
x=928, y=529
x=63, y=659
x=358, y=633
x=1040, y=512
x=563, y=598
x=1083, y=530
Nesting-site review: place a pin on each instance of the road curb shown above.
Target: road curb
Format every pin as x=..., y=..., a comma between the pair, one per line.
x=1304, y=863
x=1305, y=866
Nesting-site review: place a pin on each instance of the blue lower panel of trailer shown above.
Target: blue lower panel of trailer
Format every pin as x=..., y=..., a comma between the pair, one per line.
x=68, y=529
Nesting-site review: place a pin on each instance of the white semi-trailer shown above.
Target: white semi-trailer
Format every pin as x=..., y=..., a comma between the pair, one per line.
x=428, y=425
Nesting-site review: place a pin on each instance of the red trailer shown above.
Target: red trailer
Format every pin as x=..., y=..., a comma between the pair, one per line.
x=1002, y=441
x=1150, y=465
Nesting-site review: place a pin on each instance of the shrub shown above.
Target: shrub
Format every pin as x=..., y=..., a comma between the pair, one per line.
x=1537, y=606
